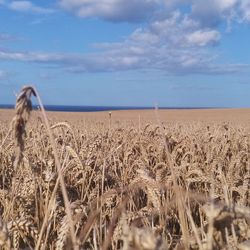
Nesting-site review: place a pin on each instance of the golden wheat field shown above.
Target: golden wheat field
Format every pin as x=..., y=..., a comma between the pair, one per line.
x=143, y=180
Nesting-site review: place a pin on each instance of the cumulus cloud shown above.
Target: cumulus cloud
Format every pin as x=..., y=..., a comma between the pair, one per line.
x=176, y=31
x=209, y=13
x=174, y=45
x=28, y=6
x=112, y=10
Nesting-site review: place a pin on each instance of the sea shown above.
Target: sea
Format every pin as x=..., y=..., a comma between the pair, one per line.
x=66, y=108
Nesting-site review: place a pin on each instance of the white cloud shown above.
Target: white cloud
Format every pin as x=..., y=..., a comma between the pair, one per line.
x=226, y=4
x=131, y=56
x=37, y=57
x=203, y=37
x=112, y=10
x=139, y=35
x=27, y=6
x=209, y=14
x=212, y=12
x=175, y=42
x=245, y=10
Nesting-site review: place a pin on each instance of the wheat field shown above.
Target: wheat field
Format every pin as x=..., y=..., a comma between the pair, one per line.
x=106, y=182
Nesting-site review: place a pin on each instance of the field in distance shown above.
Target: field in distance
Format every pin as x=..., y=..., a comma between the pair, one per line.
x=185, y=115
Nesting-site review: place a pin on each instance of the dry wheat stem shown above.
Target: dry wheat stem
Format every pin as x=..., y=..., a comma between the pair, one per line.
x=113, y=223
x=61, y=179
x=180, y=200
x=5, y=138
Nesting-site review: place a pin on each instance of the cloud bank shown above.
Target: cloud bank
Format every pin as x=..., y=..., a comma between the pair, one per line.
x=209, y=13
x=112, y=10
x=173, y=40
x=27, y=6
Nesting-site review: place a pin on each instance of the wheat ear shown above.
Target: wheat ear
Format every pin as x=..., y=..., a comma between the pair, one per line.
x=23, y=108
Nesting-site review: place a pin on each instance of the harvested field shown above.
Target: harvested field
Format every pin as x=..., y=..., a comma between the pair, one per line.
x=131, y=181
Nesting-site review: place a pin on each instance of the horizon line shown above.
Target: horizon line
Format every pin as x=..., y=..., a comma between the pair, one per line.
x=93, y=108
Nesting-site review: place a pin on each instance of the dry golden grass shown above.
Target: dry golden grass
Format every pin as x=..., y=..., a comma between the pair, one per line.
x=181, y=183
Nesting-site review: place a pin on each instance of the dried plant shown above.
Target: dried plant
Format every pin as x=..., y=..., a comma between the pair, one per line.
x=4, y=235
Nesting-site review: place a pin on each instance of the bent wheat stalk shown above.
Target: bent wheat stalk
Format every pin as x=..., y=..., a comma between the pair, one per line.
x=60, y=175
x=23, y=109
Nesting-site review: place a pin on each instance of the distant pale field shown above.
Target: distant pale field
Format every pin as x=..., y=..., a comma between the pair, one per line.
x=201, y=115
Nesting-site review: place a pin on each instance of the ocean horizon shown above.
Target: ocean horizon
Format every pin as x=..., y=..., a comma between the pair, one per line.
x=76, y=108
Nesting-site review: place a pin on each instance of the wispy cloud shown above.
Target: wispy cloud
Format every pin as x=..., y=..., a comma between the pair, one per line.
x=4, y=75
x=212, y=13
x=112, y=10
x=203, y=37
x=245, y=10
x=26, y=6
x=7, y=37
x=189, y=86
x=129, y=56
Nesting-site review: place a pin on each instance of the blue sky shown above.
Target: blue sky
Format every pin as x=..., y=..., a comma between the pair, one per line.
x=127, y=53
